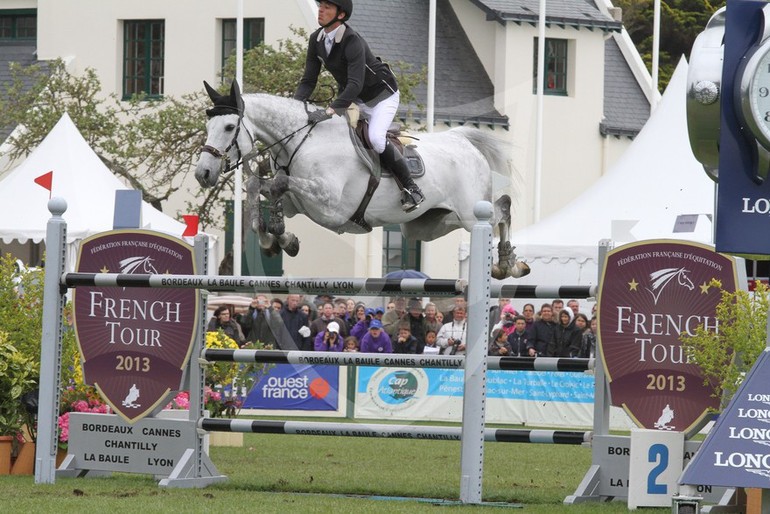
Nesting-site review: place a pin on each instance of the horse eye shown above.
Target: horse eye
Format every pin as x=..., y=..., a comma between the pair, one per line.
x=230, y=127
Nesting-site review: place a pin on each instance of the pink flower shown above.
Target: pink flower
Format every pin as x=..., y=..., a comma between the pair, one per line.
x=80, y=406
x=182, y=401
x=64, y=426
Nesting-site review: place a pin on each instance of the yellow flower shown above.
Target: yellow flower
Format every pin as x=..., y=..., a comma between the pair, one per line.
x=219, y=340
x=220, y=373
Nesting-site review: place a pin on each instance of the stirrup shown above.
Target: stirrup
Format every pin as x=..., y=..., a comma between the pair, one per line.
x=411, y=198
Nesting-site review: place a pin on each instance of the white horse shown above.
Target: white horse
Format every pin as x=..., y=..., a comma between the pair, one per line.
x=320, y=174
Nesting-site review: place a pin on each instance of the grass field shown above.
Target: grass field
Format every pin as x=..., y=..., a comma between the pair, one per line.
x=277, y=473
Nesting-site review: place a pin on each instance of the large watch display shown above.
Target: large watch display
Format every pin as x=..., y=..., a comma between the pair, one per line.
x=753, y=99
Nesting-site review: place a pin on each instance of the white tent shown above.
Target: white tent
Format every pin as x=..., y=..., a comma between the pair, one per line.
x=81, y=178
x=655, y=183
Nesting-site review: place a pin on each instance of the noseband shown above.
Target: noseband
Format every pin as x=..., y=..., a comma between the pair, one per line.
x=224, y=159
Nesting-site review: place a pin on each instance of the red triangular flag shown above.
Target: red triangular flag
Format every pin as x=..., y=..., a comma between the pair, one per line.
x=191, y=220
x=45, y=180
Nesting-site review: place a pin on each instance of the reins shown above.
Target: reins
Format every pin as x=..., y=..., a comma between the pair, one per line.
x=254, y=152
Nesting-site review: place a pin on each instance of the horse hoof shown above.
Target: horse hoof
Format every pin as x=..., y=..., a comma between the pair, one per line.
x=276, y=228
x=498, y=273
x=292, y=249
x=272, y=251
x=520, y=269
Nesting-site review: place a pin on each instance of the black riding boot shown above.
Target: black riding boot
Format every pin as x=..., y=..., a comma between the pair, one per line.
x=411, y=196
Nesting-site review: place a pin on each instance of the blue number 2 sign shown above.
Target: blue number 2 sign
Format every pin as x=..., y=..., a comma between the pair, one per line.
x=657, y=451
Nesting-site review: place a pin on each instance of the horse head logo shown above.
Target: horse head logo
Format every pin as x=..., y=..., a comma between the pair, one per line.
x=138, y=265
x=661, y=278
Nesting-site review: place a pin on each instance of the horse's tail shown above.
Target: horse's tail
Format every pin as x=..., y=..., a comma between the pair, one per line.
x=495, y=151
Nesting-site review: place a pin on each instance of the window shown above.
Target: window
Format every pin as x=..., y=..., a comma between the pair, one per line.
x=253, y=35
x=397, y=252
x=555, y=79
x=143, y=43
x=18, y=24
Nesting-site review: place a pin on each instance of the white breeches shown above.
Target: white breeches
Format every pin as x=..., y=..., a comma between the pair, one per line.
x=380, y=118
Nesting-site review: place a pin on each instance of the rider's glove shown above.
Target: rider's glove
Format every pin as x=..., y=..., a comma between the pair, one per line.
x=319, y=115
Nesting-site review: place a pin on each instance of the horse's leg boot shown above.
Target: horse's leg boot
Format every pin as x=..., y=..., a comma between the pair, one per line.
x=411, y=195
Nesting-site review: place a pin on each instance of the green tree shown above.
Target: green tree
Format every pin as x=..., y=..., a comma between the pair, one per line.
x=152, y=145
x=680, y=23
x=727, y=353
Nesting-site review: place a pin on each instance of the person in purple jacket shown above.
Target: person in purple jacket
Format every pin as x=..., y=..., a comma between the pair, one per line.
x=329, y=340
x=360, y=328
x=376, y=340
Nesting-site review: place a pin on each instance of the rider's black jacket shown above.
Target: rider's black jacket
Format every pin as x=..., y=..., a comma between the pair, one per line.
x=359, y=74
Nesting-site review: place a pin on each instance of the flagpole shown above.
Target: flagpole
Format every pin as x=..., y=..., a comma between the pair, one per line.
x=655, y=54
x=431, y=85
x=238, y=177
x=539, y=119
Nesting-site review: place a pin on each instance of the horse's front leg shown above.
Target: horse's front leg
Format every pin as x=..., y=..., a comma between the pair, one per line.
x=255, y=189
x=278, y=186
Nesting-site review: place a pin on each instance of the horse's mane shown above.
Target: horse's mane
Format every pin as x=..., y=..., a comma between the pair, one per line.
x=495, y=151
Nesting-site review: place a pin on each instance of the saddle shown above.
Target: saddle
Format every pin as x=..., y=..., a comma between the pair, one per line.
x=359, y=136
x=403, y=143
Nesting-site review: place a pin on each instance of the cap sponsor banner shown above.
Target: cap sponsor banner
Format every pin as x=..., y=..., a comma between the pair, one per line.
x=135, y=342
x=650, y=293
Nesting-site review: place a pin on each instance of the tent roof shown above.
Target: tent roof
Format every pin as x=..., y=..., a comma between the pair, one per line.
x=80, y=177
x=656, y=180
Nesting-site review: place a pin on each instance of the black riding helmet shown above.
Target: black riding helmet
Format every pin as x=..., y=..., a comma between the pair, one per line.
x=343, y=5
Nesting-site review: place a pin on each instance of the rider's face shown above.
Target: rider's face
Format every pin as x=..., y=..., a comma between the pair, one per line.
x=327, y=12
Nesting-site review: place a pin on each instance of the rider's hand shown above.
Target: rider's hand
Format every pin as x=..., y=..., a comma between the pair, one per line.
x=319, y=115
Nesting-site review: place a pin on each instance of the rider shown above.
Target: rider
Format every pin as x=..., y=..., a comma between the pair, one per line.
x=362, y=78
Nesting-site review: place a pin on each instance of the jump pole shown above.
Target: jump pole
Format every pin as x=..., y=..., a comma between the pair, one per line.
x=275, y=285
x=301, y=358
x=425, y=432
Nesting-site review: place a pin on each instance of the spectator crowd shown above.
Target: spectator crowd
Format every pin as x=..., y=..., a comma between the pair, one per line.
x=407, y=325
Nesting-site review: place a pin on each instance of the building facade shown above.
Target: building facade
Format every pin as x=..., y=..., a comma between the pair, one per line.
x=485, y=75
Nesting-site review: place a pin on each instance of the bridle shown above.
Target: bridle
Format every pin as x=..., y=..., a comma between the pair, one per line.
x=243, y=159
x=225, y=164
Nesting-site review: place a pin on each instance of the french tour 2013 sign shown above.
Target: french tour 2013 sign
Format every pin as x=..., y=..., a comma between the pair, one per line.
x=135, y=342
x=651, y=293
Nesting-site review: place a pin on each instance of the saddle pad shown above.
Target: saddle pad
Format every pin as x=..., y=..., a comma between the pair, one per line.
x=402, y=143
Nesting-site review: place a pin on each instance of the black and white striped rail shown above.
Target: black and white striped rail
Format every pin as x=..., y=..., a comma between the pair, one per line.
x=500, y=435
x=277, y=285
x=394, y=360
x=523, y=291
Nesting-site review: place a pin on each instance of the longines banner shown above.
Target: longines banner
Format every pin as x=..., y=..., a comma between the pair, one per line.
x=650, y=293
x=135, y=342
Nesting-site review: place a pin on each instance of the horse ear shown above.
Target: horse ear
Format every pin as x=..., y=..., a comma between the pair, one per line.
x=213, y=93
x=235, y=94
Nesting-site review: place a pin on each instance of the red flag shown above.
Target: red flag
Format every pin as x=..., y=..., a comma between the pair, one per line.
x=45, y=180
x=191, y=220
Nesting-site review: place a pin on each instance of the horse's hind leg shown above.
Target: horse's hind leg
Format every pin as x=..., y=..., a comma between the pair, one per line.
x=507, y=265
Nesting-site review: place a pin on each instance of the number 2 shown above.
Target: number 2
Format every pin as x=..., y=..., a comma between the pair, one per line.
x=657, y=450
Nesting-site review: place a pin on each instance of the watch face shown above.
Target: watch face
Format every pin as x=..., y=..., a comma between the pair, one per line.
x=755, y=93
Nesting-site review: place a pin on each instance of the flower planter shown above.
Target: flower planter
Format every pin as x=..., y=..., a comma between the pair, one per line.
x=226, y=439
x=25, y=460
x=6, y=446
x=61, y=454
